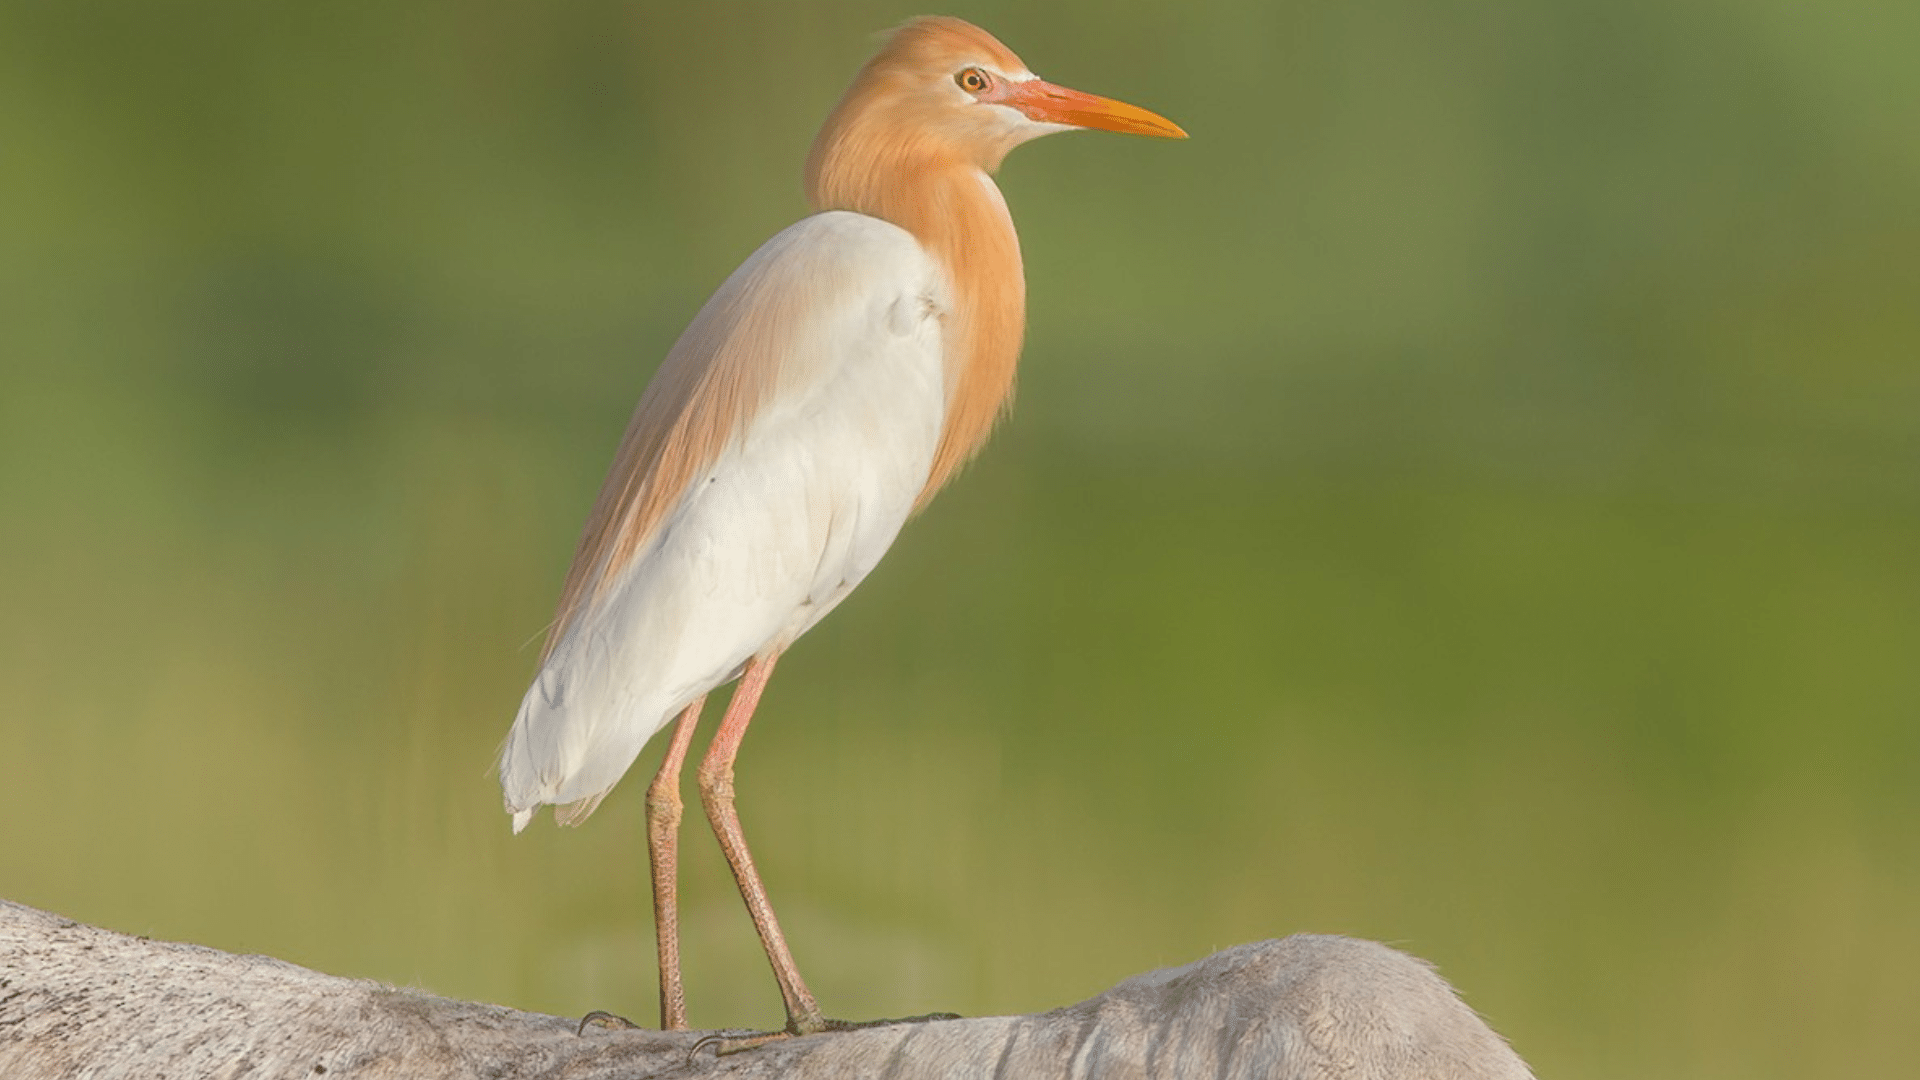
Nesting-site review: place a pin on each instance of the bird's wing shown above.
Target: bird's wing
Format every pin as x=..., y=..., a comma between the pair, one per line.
x=728, y=364
x=769, y=465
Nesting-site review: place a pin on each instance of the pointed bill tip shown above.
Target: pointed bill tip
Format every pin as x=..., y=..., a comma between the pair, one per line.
x=1048, y=103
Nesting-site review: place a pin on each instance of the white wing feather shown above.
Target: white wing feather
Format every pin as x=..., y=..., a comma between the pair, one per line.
x=792, y=514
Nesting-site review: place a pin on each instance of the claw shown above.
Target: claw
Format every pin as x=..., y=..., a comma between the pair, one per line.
x=602, y=1018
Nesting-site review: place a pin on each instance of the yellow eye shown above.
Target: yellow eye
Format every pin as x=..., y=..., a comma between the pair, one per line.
x=973, y=80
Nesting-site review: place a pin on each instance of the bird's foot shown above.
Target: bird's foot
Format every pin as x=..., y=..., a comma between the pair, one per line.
x=734, y=1044
x=601, y=1018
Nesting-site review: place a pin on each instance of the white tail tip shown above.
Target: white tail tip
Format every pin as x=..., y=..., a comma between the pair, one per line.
x=520, y=819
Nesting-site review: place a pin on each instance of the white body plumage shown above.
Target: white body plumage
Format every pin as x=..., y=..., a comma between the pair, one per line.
x=797, y=501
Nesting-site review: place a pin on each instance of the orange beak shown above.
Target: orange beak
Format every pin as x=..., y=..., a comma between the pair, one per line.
x=1043, y=101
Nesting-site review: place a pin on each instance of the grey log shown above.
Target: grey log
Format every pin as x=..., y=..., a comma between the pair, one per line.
x=77, y=1001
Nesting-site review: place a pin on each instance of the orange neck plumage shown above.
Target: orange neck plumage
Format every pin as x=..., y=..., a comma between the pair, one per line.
x=953, y=208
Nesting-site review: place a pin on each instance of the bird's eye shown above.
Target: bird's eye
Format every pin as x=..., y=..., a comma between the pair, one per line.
x=973, y=80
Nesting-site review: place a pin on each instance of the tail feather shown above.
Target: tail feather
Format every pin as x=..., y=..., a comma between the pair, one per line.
x=579, y=810
x=569, y=748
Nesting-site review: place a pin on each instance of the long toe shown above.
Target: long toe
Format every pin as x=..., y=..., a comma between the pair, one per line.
x=733, y=1044
x=855, y=1025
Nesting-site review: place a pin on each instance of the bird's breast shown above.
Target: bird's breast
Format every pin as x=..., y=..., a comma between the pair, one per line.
x=847, y=330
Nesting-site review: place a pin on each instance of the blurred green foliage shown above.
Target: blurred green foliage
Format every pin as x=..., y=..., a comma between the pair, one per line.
x=1467, y=496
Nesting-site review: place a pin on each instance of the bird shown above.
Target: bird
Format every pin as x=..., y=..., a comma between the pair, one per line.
x=825, y=392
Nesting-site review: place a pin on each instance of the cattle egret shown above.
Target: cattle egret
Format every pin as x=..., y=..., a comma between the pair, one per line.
x=831, y=386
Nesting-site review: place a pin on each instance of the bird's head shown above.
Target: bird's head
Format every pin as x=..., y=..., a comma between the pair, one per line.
x=944, y=88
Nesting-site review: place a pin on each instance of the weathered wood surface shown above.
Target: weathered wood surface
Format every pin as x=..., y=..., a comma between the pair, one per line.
x=76, y=1001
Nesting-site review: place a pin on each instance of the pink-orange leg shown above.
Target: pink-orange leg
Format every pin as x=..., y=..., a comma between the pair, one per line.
x=716, y=794
x=663, y=845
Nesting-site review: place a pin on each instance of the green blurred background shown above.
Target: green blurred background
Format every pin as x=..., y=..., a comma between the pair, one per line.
x=1468, y=496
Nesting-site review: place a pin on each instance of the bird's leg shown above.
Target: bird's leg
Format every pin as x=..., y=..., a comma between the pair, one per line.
x=716, y=793
x=663, y=845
